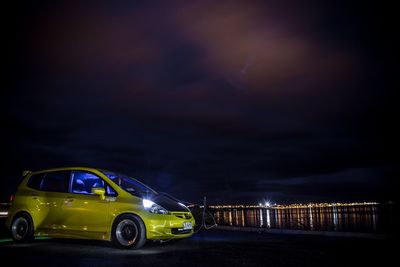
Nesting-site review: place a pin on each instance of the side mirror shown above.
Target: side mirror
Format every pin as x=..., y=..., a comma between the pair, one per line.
x=100, y=191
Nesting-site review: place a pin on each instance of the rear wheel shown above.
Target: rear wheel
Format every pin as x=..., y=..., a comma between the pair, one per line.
x=22, y=228
x=128, y=231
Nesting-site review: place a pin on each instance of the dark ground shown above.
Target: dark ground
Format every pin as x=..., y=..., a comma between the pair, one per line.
x=208, y=248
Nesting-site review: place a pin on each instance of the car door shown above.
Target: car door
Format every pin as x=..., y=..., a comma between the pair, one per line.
x=82, y=211
x=35, y=200
x=55, y=186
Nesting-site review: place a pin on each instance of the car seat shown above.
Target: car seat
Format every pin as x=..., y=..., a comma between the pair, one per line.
x=79, y=186
x=97, y=184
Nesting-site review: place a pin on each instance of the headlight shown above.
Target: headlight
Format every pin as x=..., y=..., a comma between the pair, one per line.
x=152, y=207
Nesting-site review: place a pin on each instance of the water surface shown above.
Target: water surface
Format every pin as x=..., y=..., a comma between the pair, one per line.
x=361, y=218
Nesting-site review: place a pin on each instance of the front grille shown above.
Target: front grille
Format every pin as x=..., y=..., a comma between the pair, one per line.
x=183, y=215
x=180, y=231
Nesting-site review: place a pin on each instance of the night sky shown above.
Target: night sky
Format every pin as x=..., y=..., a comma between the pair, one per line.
x=239, y=101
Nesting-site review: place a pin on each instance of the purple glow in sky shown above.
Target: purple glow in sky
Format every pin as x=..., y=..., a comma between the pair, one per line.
x=236, y=100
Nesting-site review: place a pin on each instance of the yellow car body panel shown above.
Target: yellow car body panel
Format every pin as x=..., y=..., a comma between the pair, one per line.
x=71, y=215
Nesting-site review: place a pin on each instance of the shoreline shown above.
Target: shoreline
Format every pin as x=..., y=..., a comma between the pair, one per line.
x=303, y=232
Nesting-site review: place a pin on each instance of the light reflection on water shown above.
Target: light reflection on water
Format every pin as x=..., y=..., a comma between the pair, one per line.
x=349, y=219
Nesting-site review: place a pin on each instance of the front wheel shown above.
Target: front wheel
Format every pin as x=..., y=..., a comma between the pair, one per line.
x=128, y=231
x=22, y=228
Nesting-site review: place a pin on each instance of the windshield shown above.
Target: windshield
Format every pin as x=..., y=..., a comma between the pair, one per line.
x=130, y=184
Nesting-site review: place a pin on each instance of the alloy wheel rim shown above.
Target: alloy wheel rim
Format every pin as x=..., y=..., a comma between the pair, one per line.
x=126, y=232
x=20, y=228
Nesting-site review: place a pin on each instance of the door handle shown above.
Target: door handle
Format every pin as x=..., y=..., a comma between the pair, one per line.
x=34, y=196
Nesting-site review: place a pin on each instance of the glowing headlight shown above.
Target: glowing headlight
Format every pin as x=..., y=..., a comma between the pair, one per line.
x=152, y=207
x=147, y=203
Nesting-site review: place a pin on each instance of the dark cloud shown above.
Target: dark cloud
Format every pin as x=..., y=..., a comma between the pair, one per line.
x=235, y=100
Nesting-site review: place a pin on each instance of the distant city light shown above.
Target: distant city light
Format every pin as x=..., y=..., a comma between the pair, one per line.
x=267, y=204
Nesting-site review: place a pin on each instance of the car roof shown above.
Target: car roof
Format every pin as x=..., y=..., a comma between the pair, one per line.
x=67, y=169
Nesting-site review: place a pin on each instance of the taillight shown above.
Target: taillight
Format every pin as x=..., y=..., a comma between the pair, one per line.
x=11, y=199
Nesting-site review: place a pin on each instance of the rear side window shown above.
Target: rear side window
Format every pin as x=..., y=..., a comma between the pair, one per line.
x=56, y=181
x=35, y=181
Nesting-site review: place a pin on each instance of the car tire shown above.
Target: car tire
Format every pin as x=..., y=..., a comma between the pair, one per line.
x=128, y=232
x=22, y=228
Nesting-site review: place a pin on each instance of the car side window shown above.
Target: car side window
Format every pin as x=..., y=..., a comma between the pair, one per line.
x=82, y=183
x=35, y=181
x=56, y=181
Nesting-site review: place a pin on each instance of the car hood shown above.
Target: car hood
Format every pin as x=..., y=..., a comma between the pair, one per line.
x=168, y=203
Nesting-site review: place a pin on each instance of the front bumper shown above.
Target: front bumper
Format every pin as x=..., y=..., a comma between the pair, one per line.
x=169, y=226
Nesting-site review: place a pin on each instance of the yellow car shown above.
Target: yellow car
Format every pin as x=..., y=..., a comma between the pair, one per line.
x=91, y=203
